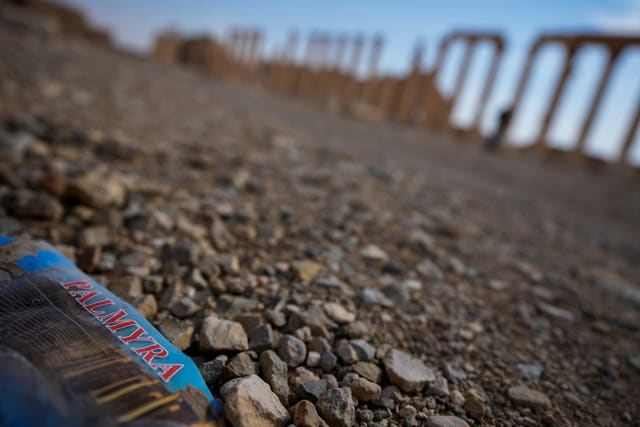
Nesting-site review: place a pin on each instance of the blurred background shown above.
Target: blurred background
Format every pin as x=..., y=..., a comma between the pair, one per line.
x=134, y=26
x=455, y=179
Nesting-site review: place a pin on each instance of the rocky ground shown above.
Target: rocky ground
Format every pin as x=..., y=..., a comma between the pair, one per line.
x=322, y=271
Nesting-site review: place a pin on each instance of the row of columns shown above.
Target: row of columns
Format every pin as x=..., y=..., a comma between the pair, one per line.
x=330, y=70
x=614, y=45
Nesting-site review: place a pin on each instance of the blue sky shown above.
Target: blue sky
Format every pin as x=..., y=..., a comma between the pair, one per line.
x=134, y=24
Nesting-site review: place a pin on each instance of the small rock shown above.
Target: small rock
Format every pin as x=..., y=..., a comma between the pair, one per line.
x=229, y=263
x=374, y=296
x=307, y=270
x=128, y=288
x=305, y=415
x=336, y=407
x=185, y=253
x=365, y=415
x=455, y=375
x=338, y=313
x=301, y=375
x=147, y=306
x=97, y=235
x=347, y=353
x=276, y=318
x=392, y=392
x=249, y=321
x=292, y=350
x=531, y=372
x=88, y=259
x=364, y=350
x=9, y=225
x=248, y=402
x=368, y=370
x=446, y=421
x=457, y=398
x=407, y=372
x=211, y=371
x=178, y=333
x=37, y=206
x=184, y=308
x=261, y=338
x=274, y=371
x=474, y=405
x=239, y=365
x=429, y=270
x=221, y=335
x=407, y=411
x=364, y=390
x=557, y=312
x=524, y=396
x=328, y=361
x=313, y=359
x=97, y=191
x=373, y=253
x=319, y=344
x=311, y=390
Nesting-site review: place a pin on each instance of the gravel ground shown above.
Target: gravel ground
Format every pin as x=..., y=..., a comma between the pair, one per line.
x=326, y=271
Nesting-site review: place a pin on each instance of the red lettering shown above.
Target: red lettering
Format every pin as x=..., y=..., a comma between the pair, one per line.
x=113, y=321
x=91, y=307
x=135, y=336
x=167, y=371
x=86, y=296
x=117, y=320
x=80, y=284
x=150, y=352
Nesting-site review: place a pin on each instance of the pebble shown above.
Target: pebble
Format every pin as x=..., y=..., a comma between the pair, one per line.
x=128, y=288
x=429, y=270
x=313, y=359
x=311, y=390
x=249, y=402
x=392, y=392
x=147, y=306
x=239, y=365
x=338, y=313
x=557, y=312
x=347, y=353
x=261, y=338
x=292, y=350
x=307, y=270
x=374, y=296
x=212, y=370
x=336, y=407
x=407, y=372
x=529, y=371
x=368, y=370
x=274, y=371
x=37, y=206
x=474, y=405
x=524, y=396
x=363, y=389
x=185, y=253
x=184, y=308
x=373, y=253
x=178, y=333
x=328, y=361
x=305, y=415
x=364, y=351
x=97, y=235
x=97, y=191
x=222, y=335
x=455, y=375
x=446, y=421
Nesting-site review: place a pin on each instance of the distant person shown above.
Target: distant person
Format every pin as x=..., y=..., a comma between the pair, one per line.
x=493, y=143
